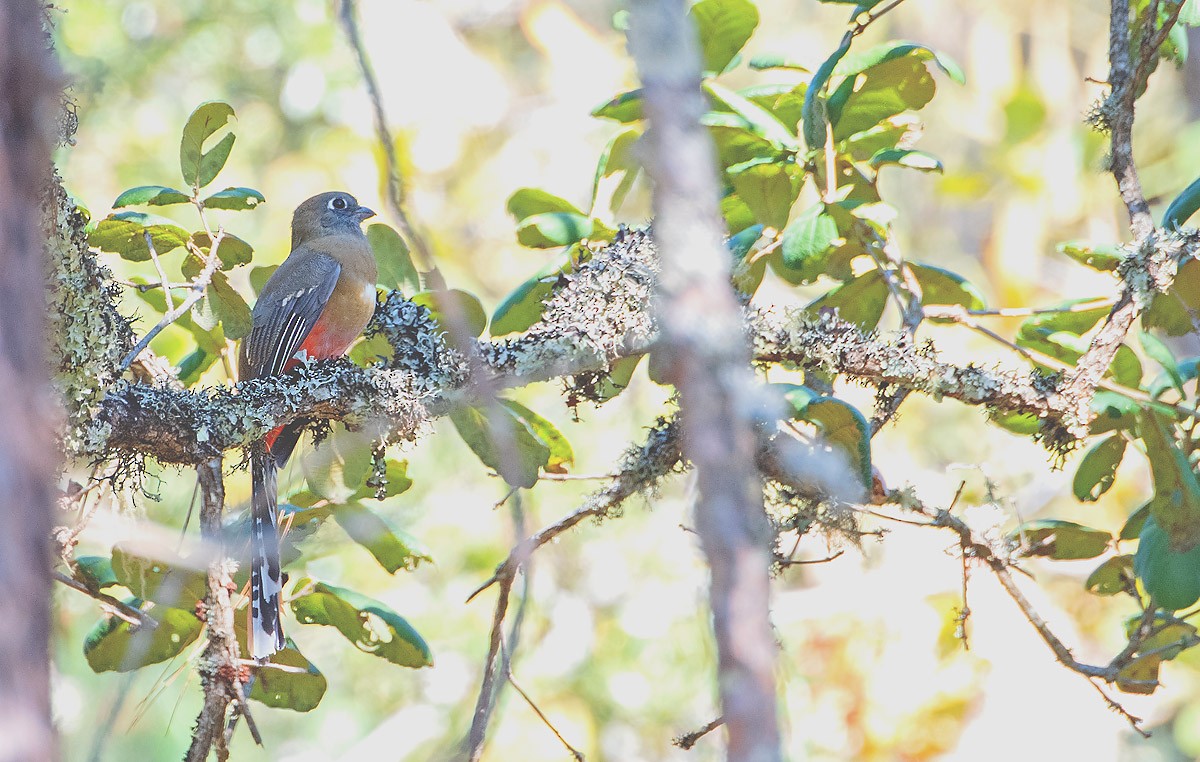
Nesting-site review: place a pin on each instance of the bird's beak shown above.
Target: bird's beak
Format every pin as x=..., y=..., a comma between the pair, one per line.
x=363, y=213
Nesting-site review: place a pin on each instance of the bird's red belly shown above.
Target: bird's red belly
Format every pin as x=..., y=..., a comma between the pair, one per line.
x=324, y=342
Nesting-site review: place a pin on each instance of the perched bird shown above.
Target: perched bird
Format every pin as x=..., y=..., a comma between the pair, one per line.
x=312, y=308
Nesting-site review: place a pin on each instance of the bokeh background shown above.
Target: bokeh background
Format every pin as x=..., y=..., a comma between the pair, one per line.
x=488, y=96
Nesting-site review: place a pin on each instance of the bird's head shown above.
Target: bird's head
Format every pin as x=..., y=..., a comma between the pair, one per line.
x=331, y=213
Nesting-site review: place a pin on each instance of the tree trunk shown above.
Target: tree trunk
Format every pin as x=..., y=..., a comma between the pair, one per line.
x=29, y=103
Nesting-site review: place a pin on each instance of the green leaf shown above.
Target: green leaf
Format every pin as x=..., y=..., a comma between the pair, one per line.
x=747, y=275
x=370, y=625
x=1103, y=257
x=124, y=233
x=198, y=167
x=1112, y=411
x=396, y=269
x=95, y=571
x=768, y=189
x=940, y=286
x=1111, y=577
x=761, y=63
x=1183, y=207
x=393, y=549
x=896, y=49
x=624, y=108
x=526, y=202
x=842, y=425
x=228, y=306
x=461, y=305
x=1171, y=577
x=151, y=195
x=396, y=474
x=511, y=450
x=523, y=307
x=760, y=121
x=1132, y=529
x=723, y=27
x=616, y=172
x=1173, y=310
x=736, y=214
x=815, y=114
x=1068, y=320
x=232, y=252
x=193, y=365
x=860, y=301
x=212, y=162
x=1187, y=370
x=337, y=468
x=1061, y=540
x=1157, y=351
x=1189, y=15
x=1176, y=503
x=234, y=199
x=259, y=277
x=114, y=645
x=807, y=243
x=552, y=229
x=1025, y=424
x=618, y=378
x=906, y=157
x=1098, y=469
x=562, y=456
x=169, y=584
x=882, y=91
x=300, y=688
x=785, y=101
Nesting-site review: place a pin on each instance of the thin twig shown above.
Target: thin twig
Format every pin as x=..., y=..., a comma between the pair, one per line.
x=485, y=701
x=688, y=740
x=978, y=548
x=162, y=274
x=198, y=286
x=119, y=608
x=396, y=192
x=221, y=672
x=508, y=675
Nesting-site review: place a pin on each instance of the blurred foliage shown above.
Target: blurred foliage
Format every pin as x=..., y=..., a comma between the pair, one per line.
x=813, y=141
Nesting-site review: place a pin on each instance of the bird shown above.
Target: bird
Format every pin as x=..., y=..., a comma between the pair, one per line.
x=312, y=307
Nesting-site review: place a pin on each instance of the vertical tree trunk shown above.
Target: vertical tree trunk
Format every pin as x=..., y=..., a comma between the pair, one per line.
x=29, y=102
x=708, y=359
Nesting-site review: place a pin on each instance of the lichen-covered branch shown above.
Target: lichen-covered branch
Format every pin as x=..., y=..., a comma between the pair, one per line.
x=221, y=674
x=1152, y=259
x=596, y=316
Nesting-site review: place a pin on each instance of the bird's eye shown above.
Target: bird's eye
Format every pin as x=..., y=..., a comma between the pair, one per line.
x=337, y=202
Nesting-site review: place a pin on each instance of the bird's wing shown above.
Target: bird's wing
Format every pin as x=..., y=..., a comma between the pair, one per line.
x=289, y=306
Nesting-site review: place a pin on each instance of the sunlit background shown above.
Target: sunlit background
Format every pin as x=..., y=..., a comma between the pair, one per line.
x=488, y=96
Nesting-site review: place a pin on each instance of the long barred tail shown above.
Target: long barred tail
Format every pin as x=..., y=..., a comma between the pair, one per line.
x=266, y=629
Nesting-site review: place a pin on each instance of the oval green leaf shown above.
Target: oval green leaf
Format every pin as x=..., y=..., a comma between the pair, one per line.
x=371, y=626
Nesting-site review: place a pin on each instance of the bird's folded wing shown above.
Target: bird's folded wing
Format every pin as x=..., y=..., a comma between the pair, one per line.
x=290, y=305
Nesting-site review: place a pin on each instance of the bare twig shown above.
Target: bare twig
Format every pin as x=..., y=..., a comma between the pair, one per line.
x=487, y=691
x=395, y=182
x=198, y=287
x=688, y=740
x=642, y=468
x=221, y=672
x=508, y=675
x=976, y=547
x=117, y=607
